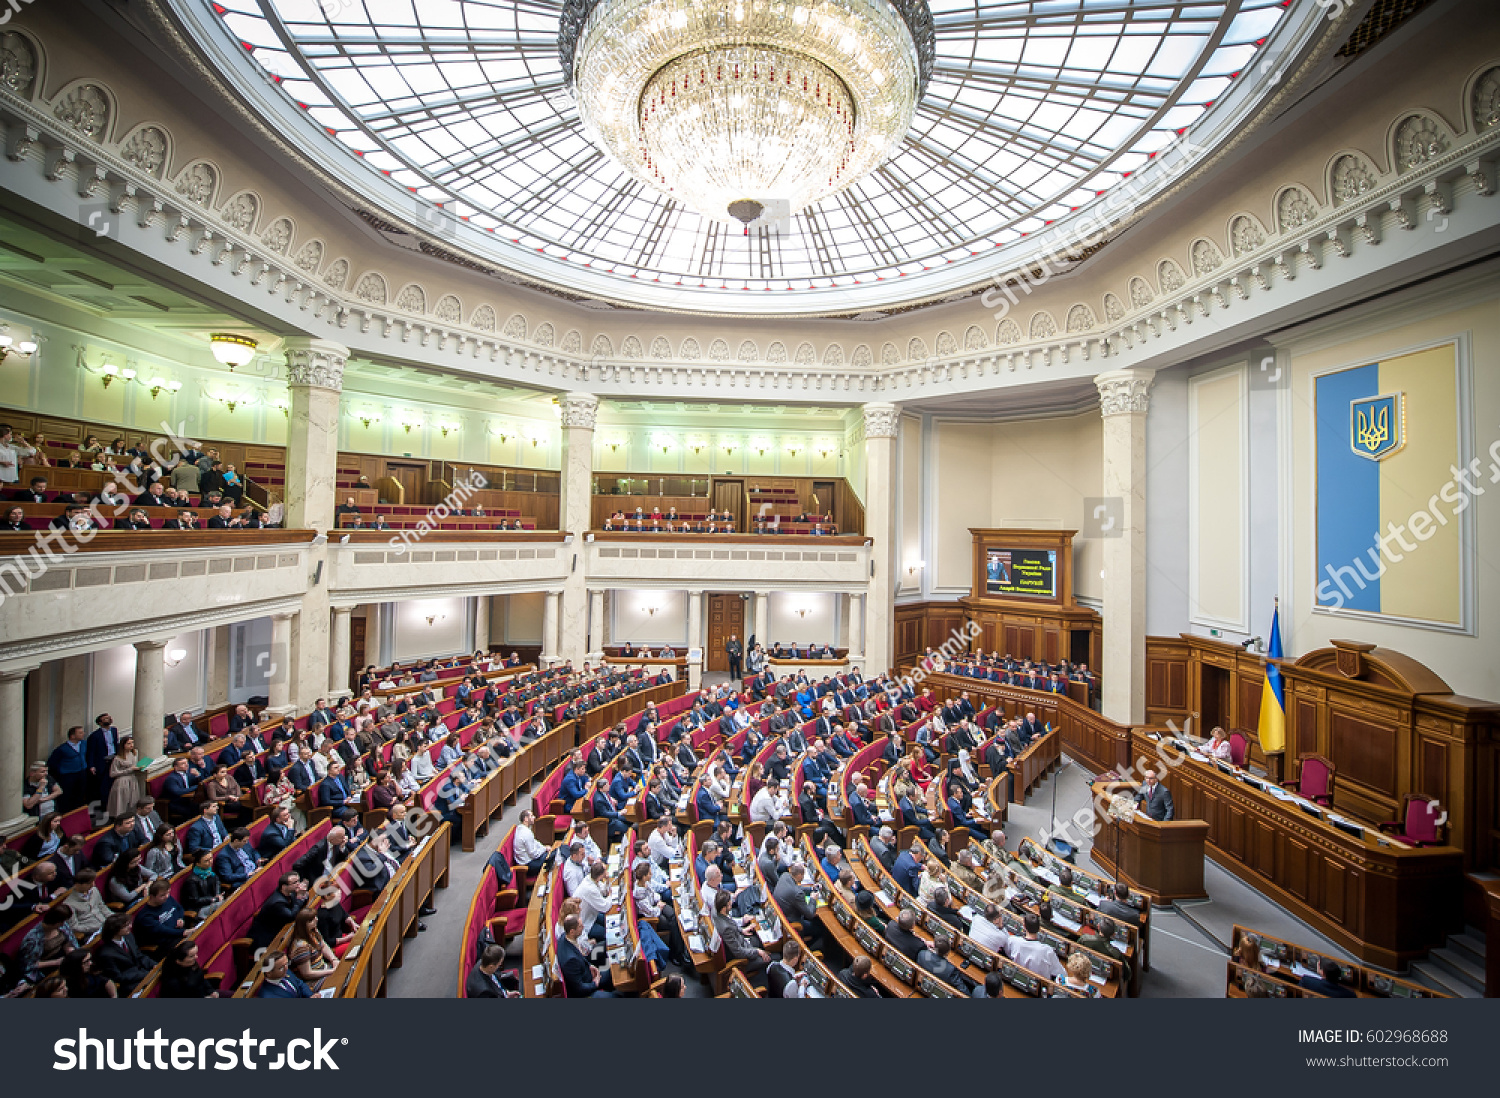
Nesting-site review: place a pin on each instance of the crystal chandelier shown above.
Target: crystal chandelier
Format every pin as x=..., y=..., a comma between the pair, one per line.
x=740, y=106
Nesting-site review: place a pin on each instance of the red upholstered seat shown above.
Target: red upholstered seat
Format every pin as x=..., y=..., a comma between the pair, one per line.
x=1424, y=821
x=1314, y=779
x=1239, y=749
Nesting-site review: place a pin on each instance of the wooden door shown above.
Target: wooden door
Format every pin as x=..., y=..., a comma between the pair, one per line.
x=825, y=492
x=357, y=659
x=729, y=495
x=726, y=616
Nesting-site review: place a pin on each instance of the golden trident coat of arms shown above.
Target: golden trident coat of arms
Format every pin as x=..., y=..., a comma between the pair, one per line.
x=1377, y=425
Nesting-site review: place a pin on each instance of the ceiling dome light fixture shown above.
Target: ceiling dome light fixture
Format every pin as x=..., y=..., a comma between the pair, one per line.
x=747, y=106
x=232, y=350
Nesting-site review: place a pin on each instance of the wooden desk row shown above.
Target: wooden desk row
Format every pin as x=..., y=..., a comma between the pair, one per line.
x=1282, y=963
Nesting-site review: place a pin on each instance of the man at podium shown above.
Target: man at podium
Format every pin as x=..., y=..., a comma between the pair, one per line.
x=1154, y=799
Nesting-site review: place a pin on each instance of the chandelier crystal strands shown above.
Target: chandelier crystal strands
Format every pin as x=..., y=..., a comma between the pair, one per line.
x=732, y=106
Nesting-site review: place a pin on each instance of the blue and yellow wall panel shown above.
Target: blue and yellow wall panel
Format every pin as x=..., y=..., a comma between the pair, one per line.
x=1390, y=509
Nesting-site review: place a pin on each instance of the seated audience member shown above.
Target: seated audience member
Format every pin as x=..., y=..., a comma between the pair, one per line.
x=309, y=956
x=201, y=891
x=15, y=521
x=236, y=861
x=135, y=520
x=161, y=922
x=581, y=980
x=118, y=958
x=182, y=977
x=279, y=909
x=1034, y=955
x=279, y=981
x=485, y=980
x=1329, y=981
x=186, y=520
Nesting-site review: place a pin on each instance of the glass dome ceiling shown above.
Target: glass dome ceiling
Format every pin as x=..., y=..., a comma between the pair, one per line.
x=1034, y=110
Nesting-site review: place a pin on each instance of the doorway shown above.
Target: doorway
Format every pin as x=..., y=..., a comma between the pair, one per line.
x=726, y=617
x=824, y=500
x=412, y=478
x=1213, y=698
x=729, y=495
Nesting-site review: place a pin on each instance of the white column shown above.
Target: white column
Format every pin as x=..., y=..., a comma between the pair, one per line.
x=13, y=746
x=482, y=623
x=882, y=424
x=216, y=654
x=549, y=628
x=1124, y=398
x=763, y=619
x=148, y=711
x=279, y=690
x=338, y=660
x=315, y=380
x=578, y=412
x=856, y=628
x=596, y=625
x=695, y=638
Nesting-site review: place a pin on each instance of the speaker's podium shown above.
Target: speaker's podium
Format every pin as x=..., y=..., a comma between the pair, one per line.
x=1163, y=860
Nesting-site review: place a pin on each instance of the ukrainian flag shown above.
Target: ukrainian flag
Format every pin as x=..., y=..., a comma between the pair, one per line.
x=1273, y=695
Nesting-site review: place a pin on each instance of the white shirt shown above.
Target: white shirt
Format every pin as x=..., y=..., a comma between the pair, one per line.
x=11, y=454
x=989, y=935
x=527, y=849
x=796, y=987
x=706, y=895
x=764, y=807
x=664, y=849
x=1221, y=751
x=1037, y=957
x=595, y=902
x=574, y=874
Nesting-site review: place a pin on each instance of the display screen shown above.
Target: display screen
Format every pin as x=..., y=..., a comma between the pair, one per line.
x=1024, y=573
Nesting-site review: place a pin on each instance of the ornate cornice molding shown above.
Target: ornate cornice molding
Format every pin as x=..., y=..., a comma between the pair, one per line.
x=1125, y=392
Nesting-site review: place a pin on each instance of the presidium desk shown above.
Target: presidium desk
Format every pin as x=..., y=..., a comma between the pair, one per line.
x=1386, y=903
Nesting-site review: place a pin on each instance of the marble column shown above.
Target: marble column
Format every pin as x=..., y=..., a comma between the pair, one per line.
x=315, y=380
x=549, y=628
x=338, y=659
x=695, y=639
x=763, y=619
x=856, y=629
x=596, y=626
x=578, y=412
x=279, y=689
x=482, y=623
x=882, y=425
x=149, y=710
x=1124, y=398
x=13, y=746
x=73, y=705
x=216, y=659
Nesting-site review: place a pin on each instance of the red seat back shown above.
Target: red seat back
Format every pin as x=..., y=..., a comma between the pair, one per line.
x=1316, y=780
x=1422, y=814
x=1239, y=749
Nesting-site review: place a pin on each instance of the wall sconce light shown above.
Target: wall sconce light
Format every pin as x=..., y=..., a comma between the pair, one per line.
x=111, y=371
x=664, y=441
x=157, y=384
x=696, y=444
x=174, y=656
x=761, y=446
x=286, y=409
x=444, y=426
x=651, y=610
x=827, y=449
x=408, y=422
x=231, y=350
x=10, y=346
x=233, y=400
x=368, y=418
x=802, y=611
x=537, y=438
x=728, y=447
x=500, y=431
x=794, y=449
x=915, y=566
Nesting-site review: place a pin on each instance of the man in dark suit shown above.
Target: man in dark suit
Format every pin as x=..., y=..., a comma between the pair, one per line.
x=183, y=735
x=1153, y=799
x=376, y=864
x=1030, y=728
x=900, y=932
x=735, y=651
x=236, y=859
x=68, y=767
x=1121, y=907
x=280, y=909
x=581, y=980
x=484, y=980
x=858, y=979
x=604, y=806
x=207, y=832
x=860, y=809
x=119, y=838
x=98, y=751
x=118, y=958
x=963, y=819
x=278, y=834
x=301, y=773
x=935, y=961
x=907, y=869
x=35, y=493
x=67, y=859
x=1329, y=982
x=793, y=904
x=160, y=922
x=178, y=788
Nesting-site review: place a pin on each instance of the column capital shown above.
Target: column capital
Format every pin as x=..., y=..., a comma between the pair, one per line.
x=578, y=410
x=17, y=674
x=1124, y=392
x=149, y=645
x=882, y=420
x=284, y=615
x=318, y=363
x=345, y=610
